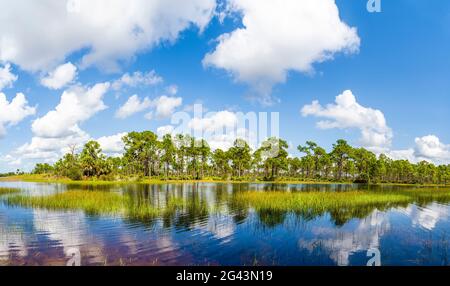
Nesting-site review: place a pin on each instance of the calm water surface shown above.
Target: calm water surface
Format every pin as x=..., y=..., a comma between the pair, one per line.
x=228, y=235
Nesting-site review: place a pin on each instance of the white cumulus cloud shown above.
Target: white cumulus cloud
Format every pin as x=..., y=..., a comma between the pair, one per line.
x=60, y=77
x=38, y=35
x=51, y=148
x=279, y=36
x=426, y=148
x=219, y=129
x=133, y=105
x=164, y=130
x=11, y=113
x=430, y=147
x=347, y=113
x=226, y=141
x=112, y=145
x=77, y=105
x=58, y=131
x=406, y=154
x=215, y=122
x=137, y=79
x=163, y=106
x=46, y=149
x=7, y=78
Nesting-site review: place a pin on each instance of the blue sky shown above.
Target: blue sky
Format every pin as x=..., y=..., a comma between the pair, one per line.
x=401, y=68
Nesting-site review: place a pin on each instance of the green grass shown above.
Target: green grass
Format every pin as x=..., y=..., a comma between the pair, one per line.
x=321, y=201
x=97, y=182
x=271, y=206
x=144, y=210
x=342, y=206
x=156, y=181
x=62, y=180
x=89, y=201
x=7, y=191
x=96, y=202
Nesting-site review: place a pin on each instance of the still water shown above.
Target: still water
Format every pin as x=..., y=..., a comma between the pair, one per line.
x=229, y=235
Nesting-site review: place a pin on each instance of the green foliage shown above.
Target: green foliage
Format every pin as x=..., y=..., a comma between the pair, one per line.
x=183, y=157
x=9, y=174
x=240, y=156
x=220, y=162
x=167, y=153
x=74, y=173
x=69, y=166
x=141, y=150
x=274, y=154
x=93, y=162
x=41, y=169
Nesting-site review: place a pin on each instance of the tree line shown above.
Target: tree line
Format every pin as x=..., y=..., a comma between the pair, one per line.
x=183, y=157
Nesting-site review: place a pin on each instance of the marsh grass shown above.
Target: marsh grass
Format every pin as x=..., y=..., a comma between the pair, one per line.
x=342, y=206
x=97, y=203
x=272, y=206
x=35, y=178
x=121, y=181
x=101, y=203
x=144, y=210
x=7, y=191
x=320, y=201
x=93, y=202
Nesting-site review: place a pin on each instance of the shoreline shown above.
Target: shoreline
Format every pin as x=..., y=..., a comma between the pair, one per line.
x=159, y=181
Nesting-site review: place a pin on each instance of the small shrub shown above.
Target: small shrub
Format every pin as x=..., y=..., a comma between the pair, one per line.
x=74, y=173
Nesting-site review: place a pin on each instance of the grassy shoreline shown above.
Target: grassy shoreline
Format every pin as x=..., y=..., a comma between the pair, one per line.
x=270, y=206
x=300, y=201
x=8, y=191
x=342, y=206
x=155, y=181
x=96, y=203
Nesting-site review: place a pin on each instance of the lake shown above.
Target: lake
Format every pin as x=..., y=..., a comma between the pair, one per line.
x=212, y=230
